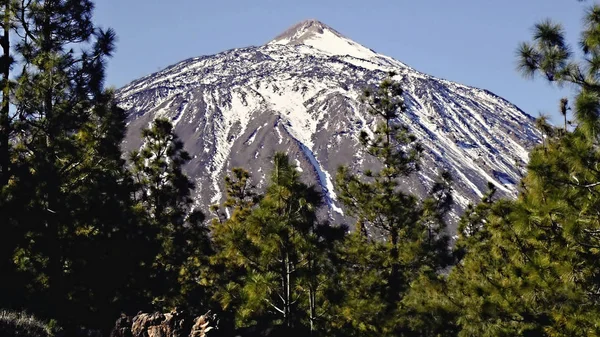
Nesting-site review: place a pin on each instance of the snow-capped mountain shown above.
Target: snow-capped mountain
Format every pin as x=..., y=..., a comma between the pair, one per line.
x=300, y=92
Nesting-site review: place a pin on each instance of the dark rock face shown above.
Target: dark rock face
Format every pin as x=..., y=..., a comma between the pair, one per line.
x=173, y=324
x=299, y=94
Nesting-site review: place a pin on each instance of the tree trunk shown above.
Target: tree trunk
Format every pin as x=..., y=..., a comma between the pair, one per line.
x=394, y=280
x=288, y=293
x=7, y=241
x=312, y=290
x=52, y=179
x=313, y=307
x=4, y=110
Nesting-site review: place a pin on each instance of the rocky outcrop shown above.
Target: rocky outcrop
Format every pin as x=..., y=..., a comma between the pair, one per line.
x=173, y=324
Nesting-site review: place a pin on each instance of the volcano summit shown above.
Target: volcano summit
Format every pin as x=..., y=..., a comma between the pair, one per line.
x=299, y=93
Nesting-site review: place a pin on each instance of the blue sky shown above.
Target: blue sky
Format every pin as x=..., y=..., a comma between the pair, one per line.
x=468, y=41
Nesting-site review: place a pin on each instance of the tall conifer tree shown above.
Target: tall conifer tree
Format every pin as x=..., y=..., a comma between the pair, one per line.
x=530, y=267
x=413, y=234
x=277, y=251
x=174, y=229
x=68, y=190
x=7, y=241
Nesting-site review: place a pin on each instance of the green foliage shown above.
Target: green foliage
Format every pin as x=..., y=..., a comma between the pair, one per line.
x=531, y=270
x=529, y=267
x=85, y=237
x=77, y=244
x=414, y=241
x=177, y=237
x=228, y=264
x=66, y=200
x=362, y=282
x=274, y=251
x=8, y=18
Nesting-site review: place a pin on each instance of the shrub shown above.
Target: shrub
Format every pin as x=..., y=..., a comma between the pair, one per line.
x=21, y=324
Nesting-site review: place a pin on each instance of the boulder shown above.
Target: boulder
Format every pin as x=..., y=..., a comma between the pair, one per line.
x=173, y=324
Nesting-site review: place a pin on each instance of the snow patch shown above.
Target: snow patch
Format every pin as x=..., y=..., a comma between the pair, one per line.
x=298, y=168
x=324, y=180
x=333, y=44
x=233, y=113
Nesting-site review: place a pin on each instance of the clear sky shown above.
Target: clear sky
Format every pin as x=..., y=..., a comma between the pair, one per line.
x=468, y=41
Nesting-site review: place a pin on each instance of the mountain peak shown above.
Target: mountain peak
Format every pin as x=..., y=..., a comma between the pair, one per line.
x=320, y=36
x=302, y=31
x=238, y=107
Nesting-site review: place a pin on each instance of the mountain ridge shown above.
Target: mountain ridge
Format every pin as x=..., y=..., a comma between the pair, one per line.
x=303, y=99
x=197, y=58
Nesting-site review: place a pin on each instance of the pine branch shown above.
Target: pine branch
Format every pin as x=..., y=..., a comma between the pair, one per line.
x=283, y=301
x=274, y=306
x=590, y=185
x=592, y=232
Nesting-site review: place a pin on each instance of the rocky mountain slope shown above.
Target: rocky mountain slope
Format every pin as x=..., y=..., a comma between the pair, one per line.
x=299, y=93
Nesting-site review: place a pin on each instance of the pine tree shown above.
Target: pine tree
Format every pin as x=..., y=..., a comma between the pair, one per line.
x=362, y=281
x=175, y=231
x=6, y=63
x=228, y=264
x=320, y=277
x=529, y=267
x=275, y=252
x=10, y=281
x=433, y=297
x=413, y=232
x=68, y=195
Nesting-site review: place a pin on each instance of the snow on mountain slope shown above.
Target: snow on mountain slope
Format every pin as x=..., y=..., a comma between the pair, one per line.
x=319, y=36
x=299, y=93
